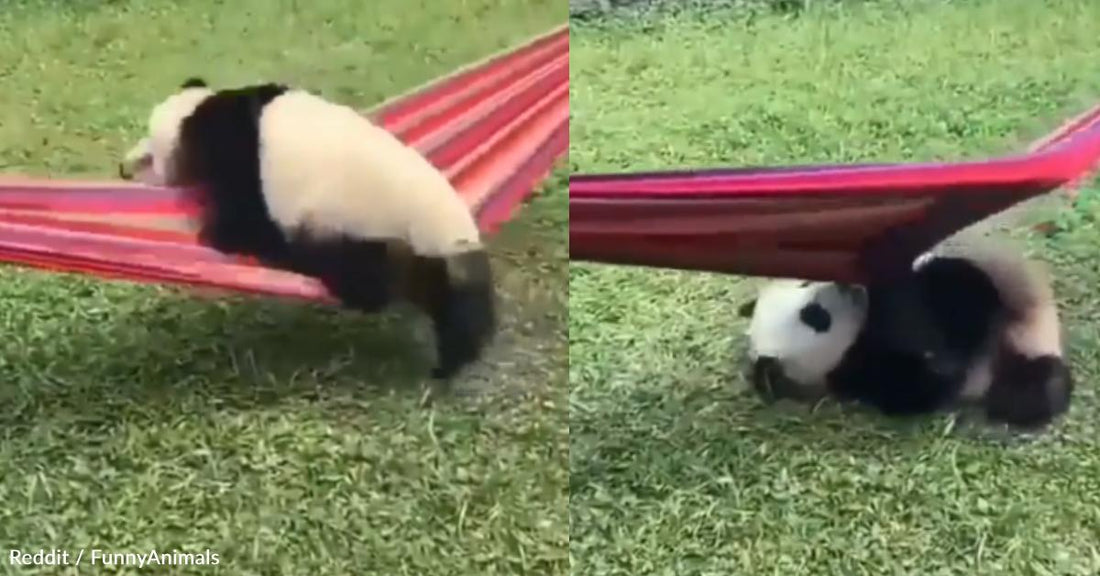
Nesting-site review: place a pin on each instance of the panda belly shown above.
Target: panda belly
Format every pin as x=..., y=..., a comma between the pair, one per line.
x=894, y=383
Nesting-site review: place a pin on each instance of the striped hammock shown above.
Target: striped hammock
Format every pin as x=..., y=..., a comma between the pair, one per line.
x=840, y=223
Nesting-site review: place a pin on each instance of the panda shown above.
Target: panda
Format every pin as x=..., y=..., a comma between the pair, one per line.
x=977, y=327
x=312, y=187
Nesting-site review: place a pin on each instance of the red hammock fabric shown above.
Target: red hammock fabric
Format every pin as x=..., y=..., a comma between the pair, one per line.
x=495, y=128
x=842, y=223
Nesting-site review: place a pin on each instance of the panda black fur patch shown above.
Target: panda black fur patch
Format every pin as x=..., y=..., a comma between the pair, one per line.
x=816, y=316
x=219, y=149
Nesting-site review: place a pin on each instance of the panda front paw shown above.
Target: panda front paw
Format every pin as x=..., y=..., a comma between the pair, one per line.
x=772, y=384
x=766, y=376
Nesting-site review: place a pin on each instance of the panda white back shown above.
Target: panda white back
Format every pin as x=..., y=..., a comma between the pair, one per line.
x=317, y=160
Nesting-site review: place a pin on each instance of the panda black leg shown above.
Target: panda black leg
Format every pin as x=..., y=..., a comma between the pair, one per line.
x=463, y=312
x=363, y=297
x=771, y=384
x=355, y=273
x=1029, y=393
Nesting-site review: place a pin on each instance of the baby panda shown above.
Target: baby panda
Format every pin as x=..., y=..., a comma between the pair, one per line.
x=978, y=327
x=313, y=187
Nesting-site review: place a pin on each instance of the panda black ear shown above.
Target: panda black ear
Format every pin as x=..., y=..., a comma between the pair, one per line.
x=193, y=82
x=746, y=310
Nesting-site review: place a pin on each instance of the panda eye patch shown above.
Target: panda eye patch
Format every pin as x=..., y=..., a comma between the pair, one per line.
x=815, y=316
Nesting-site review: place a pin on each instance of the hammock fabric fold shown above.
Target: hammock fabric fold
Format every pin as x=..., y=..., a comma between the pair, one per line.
x=495, y=128
x=840, y=223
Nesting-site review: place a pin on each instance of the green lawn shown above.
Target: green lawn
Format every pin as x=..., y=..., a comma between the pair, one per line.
x=288, y=439
x=675, y=468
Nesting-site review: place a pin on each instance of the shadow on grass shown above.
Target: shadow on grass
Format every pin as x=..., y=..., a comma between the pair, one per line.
x=654, y=442
x=169, y=352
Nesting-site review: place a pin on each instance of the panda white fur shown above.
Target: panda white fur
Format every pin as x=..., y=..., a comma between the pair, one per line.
x=980, y=326
x=797, y=328
x=310, y=186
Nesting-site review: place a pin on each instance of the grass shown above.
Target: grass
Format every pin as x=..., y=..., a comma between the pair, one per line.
x=675, y=467
x=287, y=439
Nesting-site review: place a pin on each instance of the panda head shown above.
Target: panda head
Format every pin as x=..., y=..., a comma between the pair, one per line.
x=800, y=331
x=155, y=159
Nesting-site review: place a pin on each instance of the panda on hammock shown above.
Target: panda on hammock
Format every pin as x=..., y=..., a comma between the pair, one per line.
x=313, y=187
x=977, y=327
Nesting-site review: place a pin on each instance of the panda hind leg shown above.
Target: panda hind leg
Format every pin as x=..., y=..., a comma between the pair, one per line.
x=356, y=273
x=457, y=292
x=1029, y=393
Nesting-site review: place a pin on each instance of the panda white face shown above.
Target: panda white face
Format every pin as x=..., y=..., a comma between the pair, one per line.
x=138, y=162
x=806, y=327
x=153, y=159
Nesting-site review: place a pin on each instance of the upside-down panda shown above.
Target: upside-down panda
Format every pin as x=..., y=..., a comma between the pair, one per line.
x=977, y=327
x=310, y=186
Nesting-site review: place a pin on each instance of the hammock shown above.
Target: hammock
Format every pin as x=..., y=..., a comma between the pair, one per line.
x=495, y=128
x=840, y=223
